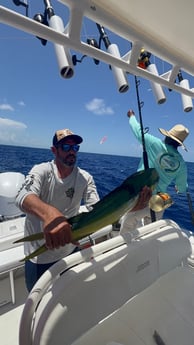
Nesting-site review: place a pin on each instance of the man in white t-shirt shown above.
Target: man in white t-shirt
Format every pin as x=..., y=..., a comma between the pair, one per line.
x=52, y=193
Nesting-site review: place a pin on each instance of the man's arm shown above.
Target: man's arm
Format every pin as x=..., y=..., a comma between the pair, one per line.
x=130, y=113
x=134, y=125
x=57, y=230
x=136, y=130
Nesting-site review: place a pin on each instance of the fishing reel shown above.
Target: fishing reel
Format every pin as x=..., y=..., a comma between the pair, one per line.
x=92, y=42
x=42, y=19
x=144, y=62
x=22, y=3
x=112, y=49
x=144, y=59
x=160, y=201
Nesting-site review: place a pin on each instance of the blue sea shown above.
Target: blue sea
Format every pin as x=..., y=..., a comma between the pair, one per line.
x=108, y=171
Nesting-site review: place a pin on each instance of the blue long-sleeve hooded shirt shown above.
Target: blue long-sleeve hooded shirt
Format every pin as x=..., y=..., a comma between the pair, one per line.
x=168, y=162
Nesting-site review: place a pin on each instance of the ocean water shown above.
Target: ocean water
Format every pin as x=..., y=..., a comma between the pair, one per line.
x=108, y=171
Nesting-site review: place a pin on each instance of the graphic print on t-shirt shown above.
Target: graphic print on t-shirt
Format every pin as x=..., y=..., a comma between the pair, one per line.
x=169, y=163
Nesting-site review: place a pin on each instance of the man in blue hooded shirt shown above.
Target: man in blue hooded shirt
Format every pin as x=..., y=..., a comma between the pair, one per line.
x=165, y=158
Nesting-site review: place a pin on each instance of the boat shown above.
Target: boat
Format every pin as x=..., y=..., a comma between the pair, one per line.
x=135, y=288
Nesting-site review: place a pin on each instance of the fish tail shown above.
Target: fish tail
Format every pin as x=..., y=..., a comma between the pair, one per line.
x=34, y=237
x=37, y=252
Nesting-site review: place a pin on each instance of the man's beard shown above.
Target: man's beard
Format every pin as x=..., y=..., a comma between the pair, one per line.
x=69, y=160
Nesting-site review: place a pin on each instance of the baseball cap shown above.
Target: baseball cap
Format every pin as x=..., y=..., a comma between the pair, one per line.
x=62, y=134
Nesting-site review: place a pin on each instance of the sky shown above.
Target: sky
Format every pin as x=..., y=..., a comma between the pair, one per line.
x=35, y=100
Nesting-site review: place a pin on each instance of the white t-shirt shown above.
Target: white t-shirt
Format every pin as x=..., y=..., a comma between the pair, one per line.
x=65, y=194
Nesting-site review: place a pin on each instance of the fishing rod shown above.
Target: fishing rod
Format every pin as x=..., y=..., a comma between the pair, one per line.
x=119, y=74
x=140, y=105
x=145, y=155
x=143, y=62
x=49, y=18
x=62, y=53
x=66, y=62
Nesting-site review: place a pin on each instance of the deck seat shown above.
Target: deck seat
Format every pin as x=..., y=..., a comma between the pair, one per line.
x=164, y=312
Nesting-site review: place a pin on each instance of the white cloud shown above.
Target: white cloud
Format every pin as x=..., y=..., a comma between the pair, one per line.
x=98, y=106
x=11, y=131
x=6, y=106
x=7, y=123
x=21, y=103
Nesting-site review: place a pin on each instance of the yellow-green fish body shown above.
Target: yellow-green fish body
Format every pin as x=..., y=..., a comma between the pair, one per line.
x=114, y=205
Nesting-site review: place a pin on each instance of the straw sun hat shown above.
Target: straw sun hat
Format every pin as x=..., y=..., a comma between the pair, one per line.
x=177, y=133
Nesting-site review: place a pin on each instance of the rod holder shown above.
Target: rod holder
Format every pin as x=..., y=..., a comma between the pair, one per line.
x=119, y=75
x=156, y=88
x=186, y=100
x=63, y=55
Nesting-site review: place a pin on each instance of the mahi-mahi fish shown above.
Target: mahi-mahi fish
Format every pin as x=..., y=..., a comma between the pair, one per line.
x=106, y=211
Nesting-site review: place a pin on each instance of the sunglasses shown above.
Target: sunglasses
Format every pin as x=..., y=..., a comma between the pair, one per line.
x=67, y=147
